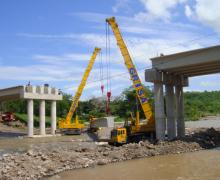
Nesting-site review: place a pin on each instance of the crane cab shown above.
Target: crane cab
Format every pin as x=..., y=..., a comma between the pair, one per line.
x=118, y=136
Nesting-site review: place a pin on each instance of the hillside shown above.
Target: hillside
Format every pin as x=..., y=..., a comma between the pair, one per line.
x=201, y=104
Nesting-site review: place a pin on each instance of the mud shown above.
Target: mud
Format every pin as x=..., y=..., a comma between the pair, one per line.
x=47, y=159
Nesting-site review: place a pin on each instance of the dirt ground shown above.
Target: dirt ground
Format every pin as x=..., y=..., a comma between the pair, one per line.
x=48, y=157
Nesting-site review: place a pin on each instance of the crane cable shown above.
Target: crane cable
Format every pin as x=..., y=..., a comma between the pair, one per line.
x=101, y=72
x=109, y=57
x=108, y=70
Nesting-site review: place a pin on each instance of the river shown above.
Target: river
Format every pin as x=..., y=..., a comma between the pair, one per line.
x=202, y=165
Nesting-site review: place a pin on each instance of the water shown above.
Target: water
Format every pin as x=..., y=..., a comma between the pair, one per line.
x=202, y=165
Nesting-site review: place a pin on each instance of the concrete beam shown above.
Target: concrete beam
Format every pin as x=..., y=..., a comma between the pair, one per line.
x=189, y=58
x=152, y=75
x=155, y=76
x=181, y=81
x=30, y=92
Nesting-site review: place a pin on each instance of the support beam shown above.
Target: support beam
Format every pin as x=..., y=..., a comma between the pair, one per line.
x=159, y=111
x=30, y=111
x=180, y=111
x=170, y=111
x=42, y=117
x=53, y=117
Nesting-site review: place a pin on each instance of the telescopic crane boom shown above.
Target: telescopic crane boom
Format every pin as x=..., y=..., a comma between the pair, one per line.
x=66, y=124
x=141, y=94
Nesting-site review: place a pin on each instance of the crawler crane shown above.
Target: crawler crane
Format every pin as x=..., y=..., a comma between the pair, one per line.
x=66, y=125
x=136, y=130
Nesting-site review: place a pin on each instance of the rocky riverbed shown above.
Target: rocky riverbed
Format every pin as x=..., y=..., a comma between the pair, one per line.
x=45, y=159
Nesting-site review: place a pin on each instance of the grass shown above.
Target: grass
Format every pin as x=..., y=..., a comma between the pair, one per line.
x=119, y=119
x=23, y=118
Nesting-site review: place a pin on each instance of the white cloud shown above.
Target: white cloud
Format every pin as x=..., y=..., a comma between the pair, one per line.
x=210, y=84
x=207, y=12
x=188, y=11
x=37, y=73
x=48, y=36
x=61, y=59
x=157, y=9
x=121, y=4
x=189, y=89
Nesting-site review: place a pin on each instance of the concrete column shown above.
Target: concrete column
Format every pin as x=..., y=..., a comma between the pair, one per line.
x=159, y=111
x=30, y=112
x=42, y=117
x=170, y=111
x=180, y=111
x=53, y=117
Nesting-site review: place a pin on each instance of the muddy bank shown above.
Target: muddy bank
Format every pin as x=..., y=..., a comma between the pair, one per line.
x=46, y=160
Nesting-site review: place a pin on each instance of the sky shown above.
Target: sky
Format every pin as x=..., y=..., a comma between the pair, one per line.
x=51, y=41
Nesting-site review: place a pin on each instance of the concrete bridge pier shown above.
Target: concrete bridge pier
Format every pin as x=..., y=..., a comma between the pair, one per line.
x=174, y=106
x=42, y=117
x=159, y=111
x=180, y=111
x=160, y=123
x=30, y=112
x=170, y=111
x=180, y=67
x=53, y=117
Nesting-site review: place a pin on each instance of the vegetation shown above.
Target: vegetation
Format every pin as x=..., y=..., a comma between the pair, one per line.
x=197, y=105
x=23, y=118
x=201, y=104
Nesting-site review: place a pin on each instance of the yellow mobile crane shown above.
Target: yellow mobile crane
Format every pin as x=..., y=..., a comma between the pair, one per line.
x=66, y=125
x=136, y=130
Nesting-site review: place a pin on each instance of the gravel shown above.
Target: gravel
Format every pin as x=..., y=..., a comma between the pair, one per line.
x=46, y=160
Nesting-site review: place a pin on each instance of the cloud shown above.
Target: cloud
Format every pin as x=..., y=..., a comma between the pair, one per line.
x=61, y=59
x=210, y=84
x=47, y=36
x=157, y=9
x=207, y=12
x=37, y=73
x=188, y=11
x=121, y=4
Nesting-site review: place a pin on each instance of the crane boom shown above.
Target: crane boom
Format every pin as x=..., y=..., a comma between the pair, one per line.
x=81, y=86
x=141, y=94
x=65, y=124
